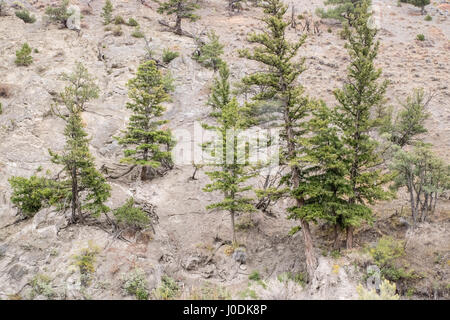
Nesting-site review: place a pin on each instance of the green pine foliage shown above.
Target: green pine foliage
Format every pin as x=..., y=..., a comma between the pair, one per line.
x=89, y=189
x=147, y=144
x=220, y=91
x=169, y=55
x=360, y=97
x=107, y=12
x=425, y=177
x=325, y=185
x=35, y=193
x=182, y=9
x=58, y=14
x=23, y=56
x=410, y=121
x=232, y=168
x=278, y=85
x=342, y=10
x=420, y=4
x=208, y=55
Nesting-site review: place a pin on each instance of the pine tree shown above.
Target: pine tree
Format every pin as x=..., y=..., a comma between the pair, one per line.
x=182, y=9
x=325, y=185
x=88, y=188
x=360, y=98
x=220, y=92
x=209, y=53
x=425, y=177
x=343, y=10
x=233, y=168
x=143, y=135
x=107, y=12
x=420, y=4
x=278, y=84
x=409, y=123
x=23, y=56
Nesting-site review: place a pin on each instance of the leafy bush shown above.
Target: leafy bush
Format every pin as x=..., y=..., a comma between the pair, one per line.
x=23, y=56
x=169, y=55
x=420, y=37
x=209, y=292
x=117, y=31
x=428, y=18
x=255, y=276
x=208, y=55
x=168, y=289
x=387, y=292
x=119, y=20
x=58, y=14
x=85, y=262
x=33, y=194
x=41, y=285
x=386, y=255
x=25, y=16
x=132, y=22
x=137, y=33
x=298, y=277
x=130, y=216
x=135, y=284
x=1, y=108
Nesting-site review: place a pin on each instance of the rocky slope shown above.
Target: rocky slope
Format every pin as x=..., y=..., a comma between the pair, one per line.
x=188, y=243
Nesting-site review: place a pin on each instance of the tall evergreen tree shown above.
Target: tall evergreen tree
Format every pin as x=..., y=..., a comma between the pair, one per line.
x=149, y=145
x=220, y=91
x=233, y=168
x=325, y=186
x=89, y=189
x=182, y=9
x=359, y=100
x=278, y=83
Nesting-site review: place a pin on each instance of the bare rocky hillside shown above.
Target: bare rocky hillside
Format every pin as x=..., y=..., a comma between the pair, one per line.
x=189, y=243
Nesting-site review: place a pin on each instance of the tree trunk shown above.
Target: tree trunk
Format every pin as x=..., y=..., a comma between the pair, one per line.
x=178, y=26
x=74, y=195
x=232, y=227
x=349, y=237
x=311, y=261
x=336, y=237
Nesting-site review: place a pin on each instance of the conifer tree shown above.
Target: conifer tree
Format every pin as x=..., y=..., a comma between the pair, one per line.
x=23, y=56
x=409, y=123
x=88, y=188
x=182, y=9
x=359, y=100
x=107, y=12
x=278, y=83
x=209, y=53
x=233, y=168
x=325, y=185
x=420, y=4
x=220, y=92
x=343, y=10
x=148, y=144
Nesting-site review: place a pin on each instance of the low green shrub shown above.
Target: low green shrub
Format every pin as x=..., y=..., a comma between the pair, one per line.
x=132, y=22
x=25, y=16
x=130, y=216
x=135, y=284
x=169, y=55
x=420, y=37
x=168, y=289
